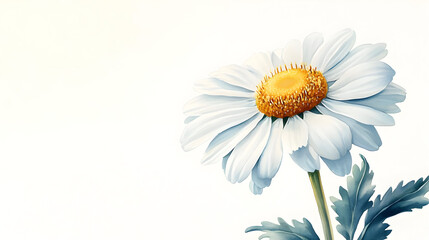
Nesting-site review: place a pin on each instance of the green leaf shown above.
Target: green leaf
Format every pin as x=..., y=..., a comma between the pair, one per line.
x=402, y=199
x=284, y=231
x=355, y=200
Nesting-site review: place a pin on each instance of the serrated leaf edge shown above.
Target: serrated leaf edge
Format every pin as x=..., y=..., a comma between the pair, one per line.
x=426, y=180
x=282, y=223
x=364, y=168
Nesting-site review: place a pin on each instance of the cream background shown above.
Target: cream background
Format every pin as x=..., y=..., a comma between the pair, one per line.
x=91, y=94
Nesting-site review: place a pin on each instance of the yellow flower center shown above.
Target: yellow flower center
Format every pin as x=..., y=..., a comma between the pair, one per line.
x=288, y=92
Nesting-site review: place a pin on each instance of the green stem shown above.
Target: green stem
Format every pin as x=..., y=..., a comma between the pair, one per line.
x=319, y=195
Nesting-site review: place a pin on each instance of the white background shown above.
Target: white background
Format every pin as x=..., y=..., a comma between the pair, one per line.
x=91, y=96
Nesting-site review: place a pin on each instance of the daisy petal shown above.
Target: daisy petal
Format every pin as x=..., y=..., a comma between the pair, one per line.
x=361, y=81
x=359, y=113
x=204, y=104
x=269, y=161
x=207, y=126
x=295, y=134
x=364, y=136
x=379, y=103
x=260, y=182
x=310, y=45
x=190, y=119
x=395, y=88
x=292, y=53
x=238, y=76
x=385, y=100
x=328, y=136
x=276, y=59
x=261, y=62
x=245, y=155
x=225, y=141
x=341, y=166
x=306, y=158
x=334, y=50
x=225, y=160
x=255, y=189
x=360, y=54
x=214, y=86
x=271, y=157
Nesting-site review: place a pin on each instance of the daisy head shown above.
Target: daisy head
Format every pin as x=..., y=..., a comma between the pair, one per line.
x=308, y=101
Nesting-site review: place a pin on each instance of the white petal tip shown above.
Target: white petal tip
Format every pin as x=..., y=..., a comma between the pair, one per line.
x=255, y=189
x=186, y=148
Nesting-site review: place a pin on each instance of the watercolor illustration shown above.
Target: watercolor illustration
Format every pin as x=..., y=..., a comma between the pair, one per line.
x=214, y=120
x=309, y=103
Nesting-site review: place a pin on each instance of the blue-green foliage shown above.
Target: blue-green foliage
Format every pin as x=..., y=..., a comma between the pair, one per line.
x=355, y=200
x=402, y=199
x=284, y=231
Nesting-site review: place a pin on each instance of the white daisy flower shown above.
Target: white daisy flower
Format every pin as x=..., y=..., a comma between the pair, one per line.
x=309, y=100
